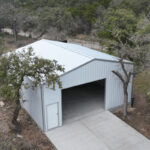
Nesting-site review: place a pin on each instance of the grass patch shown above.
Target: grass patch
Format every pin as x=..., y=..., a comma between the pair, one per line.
x=142, y=83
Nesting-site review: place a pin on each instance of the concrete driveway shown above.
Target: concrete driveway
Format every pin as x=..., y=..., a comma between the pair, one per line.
x=98, y=131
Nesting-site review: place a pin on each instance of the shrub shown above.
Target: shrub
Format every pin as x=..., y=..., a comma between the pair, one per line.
x=148, y=96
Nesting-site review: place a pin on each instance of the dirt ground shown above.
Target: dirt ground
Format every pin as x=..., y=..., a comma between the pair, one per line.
x=31, y=137
x=10, y=44
x=139, y=116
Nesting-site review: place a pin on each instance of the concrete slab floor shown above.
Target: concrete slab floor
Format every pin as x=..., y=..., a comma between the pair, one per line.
x=99, y=131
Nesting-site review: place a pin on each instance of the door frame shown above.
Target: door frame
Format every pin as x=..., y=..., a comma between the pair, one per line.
x=105, y=93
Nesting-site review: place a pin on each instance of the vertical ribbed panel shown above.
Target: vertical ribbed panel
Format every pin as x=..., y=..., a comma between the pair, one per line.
x=97, y=70
x=33, y=104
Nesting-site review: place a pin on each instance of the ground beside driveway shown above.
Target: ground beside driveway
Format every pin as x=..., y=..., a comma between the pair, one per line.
x=31, y=137
x=139, y=116
x=98, y=131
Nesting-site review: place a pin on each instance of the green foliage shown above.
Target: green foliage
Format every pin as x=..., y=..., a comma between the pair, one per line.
x=16, y=66
x=148, y=97
x=119, y=21
x=79, y=15
x=138, y=6
x=104, y=34
x=145, y=30
x=118, y=25
x=142, y=83
x=84, y=15
x=6, y=145
x=85, y=11
x=56, y=17
x=1, y=46
x=105, y=3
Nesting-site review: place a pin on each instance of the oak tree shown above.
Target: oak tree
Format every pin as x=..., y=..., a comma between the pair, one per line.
x=14, y=67
x=119, y=28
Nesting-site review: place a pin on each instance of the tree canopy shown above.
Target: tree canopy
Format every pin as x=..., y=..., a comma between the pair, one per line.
x=118, y=24
x=69, y=16
x=14, y=67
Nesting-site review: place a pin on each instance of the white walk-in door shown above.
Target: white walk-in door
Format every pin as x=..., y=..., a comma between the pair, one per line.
x=52, y=116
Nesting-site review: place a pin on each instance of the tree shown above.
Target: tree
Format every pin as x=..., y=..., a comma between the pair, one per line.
x=119, y=28
x=16, y=66
x=14, y=18
x=1, y=46
x=8, y=17
x=139, y=53
x=120, y=22
x=57, y=18
x=125, y=79
x=139, y=7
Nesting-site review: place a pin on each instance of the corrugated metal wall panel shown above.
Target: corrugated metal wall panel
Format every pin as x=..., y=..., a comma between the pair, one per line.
x=51, y=97
x=97, y=70
x=84, y=74
x=33, y=104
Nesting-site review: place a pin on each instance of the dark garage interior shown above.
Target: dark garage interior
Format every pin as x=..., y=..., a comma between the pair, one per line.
x=82, y=100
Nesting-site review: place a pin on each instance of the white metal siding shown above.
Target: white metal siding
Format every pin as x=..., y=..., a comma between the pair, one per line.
x=33, y=103
x=52, y=97
x=97, y=70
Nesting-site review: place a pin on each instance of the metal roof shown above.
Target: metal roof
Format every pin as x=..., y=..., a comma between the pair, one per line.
x=90, y=53
x=69, y=55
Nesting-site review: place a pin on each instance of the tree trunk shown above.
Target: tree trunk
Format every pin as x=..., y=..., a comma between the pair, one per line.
x=15, y=34
x=15, y=116
x=125, y=103
x=14, y=27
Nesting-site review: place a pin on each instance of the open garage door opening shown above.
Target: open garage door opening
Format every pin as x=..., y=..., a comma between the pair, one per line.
x=81, y=101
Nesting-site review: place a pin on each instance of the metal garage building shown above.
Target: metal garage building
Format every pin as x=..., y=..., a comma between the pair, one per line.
x=88, y=84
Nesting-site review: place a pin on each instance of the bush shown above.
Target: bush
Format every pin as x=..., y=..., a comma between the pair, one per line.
x=6, y=146
x=148, y=96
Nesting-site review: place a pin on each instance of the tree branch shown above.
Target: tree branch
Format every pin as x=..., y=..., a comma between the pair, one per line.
x=123, y=68
x=119, y=76
x=129, y=76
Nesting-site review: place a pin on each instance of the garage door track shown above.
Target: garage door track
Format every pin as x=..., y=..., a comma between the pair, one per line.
x=98, y=131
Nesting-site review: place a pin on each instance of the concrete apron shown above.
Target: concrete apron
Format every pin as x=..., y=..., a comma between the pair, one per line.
x=98, y=131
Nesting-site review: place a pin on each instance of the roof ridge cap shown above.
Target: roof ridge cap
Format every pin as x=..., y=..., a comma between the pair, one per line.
x=67, y=49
